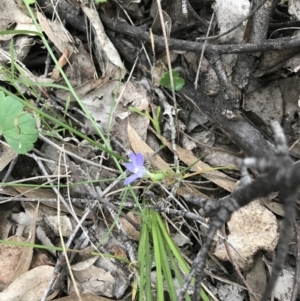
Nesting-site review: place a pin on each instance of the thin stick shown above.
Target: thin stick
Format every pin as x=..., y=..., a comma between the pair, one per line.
x=235, y=266
x=202, y=52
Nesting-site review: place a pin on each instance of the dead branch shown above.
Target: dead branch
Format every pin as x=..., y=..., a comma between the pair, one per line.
x=278, y=173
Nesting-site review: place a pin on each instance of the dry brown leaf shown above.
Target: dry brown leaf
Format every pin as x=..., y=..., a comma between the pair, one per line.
x=251, y=228
x=40, y=257
x=275, y=207
x=6, y=155
x=106, y=53
x=64, y=58
x=294, y=8
x=157, y=71
x=29, y=286
x=129, y=229
x=83, y=89
x=284, y=285
x=13, y=14
x=61, y=62
x=99, y=103
x=5, y=223
x=9, y=260
x=139, y=146
x=92, y=279
x=57, y=33
x=118, y=251
x=26, y=256
x=35, y=193
x=216, y=177
x=228, y=14
x=8, y=190
x=119, y=128
x=257, y=277
x=81, y=68
x=266, y=103
x=100, y=276
x=40, y=193
x=65, y=226
x=131, y=95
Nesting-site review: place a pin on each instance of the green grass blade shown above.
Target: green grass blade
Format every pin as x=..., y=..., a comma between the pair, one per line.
x=165, y=263
x=174, y=249
x=177, y=272
x=145, y=262
x=148, y=266
x=158, y=263
x=176, y=252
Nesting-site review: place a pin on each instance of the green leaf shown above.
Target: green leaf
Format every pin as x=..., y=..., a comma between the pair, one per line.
x=17, y=126
x=165, y=81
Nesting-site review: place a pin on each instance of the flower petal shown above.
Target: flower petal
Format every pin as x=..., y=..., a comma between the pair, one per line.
x=132, y=157
x=130, y=179
x=139, y=159
x=131, y=167
x=141, y=172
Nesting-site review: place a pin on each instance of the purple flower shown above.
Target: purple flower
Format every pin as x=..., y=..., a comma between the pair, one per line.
x=136, y=167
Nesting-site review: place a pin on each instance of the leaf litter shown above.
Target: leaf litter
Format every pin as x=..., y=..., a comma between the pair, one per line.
x=100, y=72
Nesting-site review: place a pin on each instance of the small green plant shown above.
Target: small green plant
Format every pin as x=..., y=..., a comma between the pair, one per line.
x=17, y=126
x=165, y=80
x=155, y=120
x=170, y=266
